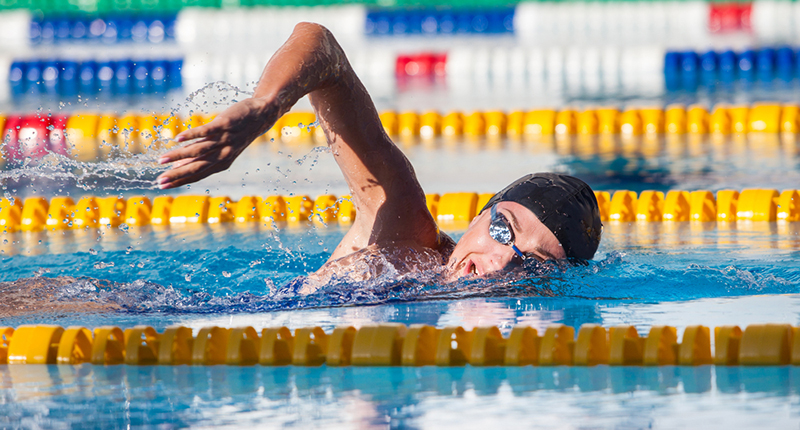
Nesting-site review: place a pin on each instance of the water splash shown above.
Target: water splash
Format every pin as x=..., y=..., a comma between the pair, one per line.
x=130, y=163
x=119, y=174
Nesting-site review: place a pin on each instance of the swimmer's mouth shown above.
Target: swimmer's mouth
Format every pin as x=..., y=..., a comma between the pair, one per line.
x=465, y=268
x=470, y=269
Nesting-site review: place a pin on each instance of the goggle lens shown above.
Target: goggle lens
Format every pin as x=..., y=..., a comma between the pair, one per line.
x=500, y=230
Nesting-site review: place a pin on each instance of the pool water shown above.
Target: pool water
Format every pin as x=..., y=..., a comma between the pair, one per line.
x=328, y=397
x=566, y=55
x=231, y=275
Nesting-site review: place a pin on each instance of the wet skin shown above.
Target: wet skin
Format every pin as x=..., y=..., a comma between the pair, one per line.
x=392, y=214
x=477, y=254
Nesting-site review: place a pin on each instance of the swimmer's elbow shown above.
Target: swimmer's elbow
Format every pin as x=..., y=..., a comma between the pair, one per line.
x=321, y=39
x=319, y=31
x=323, y=46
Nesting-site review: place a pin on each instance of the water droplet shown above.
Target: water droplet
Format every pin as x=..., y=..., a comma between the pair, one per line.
x=128, y=250
x=226, y=274
x=92, y=251
x=188, y=277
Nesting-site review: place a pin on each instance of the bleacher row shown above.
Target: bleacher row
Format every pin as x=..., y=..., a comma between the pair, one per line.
x=553, y=46
x=60, y=213
x=589, y=69
x=399, y=345
x=104, y=79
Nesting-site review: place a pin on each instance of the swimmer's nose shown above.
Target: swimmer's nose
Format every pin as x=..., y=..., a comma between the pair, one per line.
x=500, y=257
x=493, y=263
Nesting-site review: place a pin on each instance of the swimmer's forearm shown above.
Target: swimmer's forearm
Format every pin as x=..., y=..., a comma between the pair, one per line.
x=310, y=60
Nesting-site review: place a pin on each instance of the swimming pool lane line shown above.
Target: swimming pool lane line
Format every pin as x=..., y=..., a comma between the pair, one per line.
x=400, y=345
x=62, y=213
x=93, y=136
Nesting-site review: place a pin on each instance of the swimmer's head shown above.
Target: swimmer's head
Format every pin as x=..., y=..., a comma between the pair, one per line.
x=549, y=217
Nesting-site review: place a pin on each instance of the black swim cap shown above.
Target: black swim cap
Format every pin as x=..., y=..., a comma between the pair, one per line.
x=564, y=204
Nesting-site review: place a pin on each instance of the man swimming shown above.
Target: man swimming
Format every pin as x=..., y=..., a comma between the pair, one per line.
x=542, y=216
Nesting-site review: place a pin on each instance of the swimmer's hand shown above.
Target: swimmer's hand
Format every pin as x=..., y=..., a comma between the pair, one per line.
x=217, y=143
x=309, y=62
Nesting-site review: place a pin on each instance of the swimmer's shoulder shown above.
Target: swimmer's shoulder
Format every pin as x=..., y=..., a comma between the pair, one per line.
x=373, y=260
x=445, y=245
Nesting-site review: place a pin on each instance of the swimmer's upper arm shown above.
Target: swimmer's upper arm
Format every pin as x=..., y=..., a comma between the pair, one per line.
x=385, y=190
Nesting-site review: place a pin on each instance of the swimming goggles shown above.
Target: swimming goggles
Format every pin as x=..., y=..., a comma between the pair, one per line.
x=500, y=230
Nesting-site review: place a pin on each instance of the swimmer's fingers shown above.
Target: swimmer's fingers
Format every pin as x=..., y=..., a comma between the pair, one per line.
x=181, y=163
x=204, y=130
x=244, y=115
x=192, y=150
x=192, y=170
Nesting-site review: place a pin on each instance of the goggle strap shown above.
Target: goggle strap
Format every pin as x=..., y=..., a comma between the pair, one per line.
x=521, y=255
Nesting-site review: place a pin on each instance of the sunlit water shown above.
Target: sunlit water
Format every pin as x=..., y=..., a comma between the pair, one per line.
x=644, y=274
x=298, y=397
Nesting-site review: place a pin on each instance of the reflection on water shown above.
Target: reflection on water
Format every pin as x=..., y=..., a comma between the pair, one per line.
x=117, y=396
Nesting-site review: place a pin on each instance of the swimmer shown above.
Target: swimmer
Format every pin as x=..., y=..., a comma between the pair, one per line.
x=543, y=216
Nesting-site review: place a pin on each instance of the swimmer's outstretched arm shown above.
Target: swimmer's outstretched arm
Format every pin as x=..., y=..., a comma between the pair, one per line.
x=389, y=200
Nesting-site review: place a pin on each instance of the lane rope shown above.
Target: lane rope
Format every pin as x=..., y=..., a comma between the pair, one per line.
x=64, y=213
x=93, y=136
x=400, y=345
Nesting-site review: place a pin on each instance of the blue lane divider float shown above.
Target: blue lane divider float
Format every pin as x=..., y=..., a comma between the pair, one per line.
x=67, y=78
x=691, y=70
x=151, y=28
x=430, y=21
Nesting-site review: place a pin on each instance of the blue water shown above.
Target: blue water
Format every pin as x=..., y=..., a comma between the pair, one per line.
x=228, y=269
x=645, y=275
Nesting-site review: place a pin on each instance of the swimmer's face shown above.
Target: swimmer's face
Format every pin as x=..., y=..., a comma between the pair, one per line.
x=477, y=254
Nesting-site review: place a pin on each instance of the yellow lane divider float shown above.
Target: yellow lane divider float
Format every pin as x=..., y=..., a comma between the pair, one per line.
x=60, y=213
x=674, y=119
x=93, y=135
x=398, y=345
